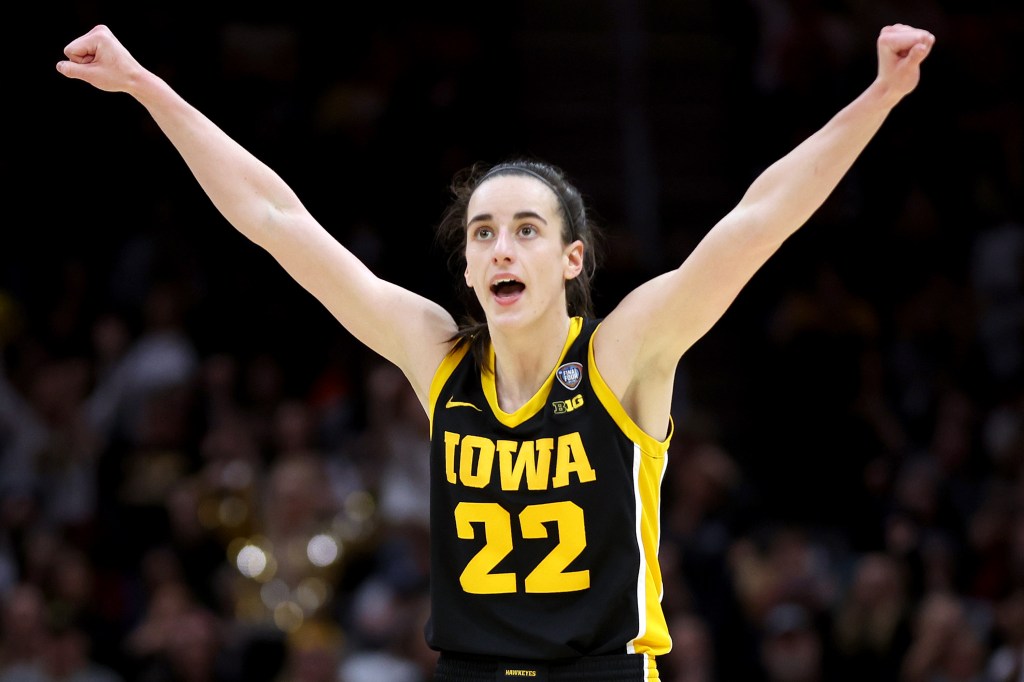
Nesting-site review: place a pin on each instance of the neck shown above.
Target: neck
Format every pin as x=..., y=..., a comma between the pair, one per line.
x=523, y=360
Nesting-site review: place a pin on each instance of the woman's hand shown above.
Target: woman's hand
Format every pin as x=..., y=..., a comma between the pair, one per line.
x=901, y=49
x=98, y=58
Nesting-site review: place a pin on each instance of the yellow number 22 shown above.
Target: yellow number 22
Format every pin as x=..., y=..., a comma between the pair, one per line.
x=550, y=574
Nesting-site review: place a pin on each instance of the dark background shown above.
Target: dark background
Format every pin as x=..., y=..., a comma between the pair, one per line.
x=657, y=109
x=838, y=364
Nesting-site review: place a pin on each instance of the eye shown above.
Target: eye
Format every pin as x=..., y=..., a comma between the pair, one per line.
x=482, y=233
x=528, y=230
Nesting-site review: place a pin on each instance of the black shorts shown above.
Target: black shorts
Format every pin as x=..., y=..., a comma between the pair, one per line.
x=617, y=668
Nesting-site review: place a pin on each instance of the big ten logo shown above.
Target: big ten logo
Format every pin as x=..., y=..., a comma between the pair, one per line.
x=563, y=406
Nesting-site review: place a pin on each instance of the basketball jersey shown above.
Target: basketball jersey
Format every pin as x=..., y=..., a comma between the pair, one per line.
x=545, y=521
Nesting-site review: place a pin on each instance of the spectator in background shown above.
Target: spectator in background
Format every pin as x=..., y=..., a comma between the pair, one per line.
x=65, y=656
x=871, y=623
x=1006, y=662
x=22, y=625
x=692, y=658
x=946, y=644
x=161, y=359
x=792, y=649
x=314, y=653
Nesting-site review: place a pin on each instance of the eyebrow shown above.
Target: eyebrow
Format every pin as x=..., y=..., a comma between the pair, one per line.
x=518, y=216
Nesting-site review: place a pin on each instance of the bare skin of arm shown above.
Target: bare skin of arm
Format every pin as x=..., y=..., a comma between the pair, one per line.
x=641, y=342
x=401, y=326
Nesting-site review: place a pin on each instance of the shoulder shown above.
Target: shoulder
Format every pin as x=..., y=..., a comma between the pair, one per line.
x=461, y=354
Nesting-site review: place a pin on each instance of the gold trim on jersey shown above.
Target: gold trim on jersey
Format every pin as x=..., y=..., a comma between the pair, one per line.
x=650, y=445
x=648, y=471
x=537, y=402
x=653, y=637
x=443, y=373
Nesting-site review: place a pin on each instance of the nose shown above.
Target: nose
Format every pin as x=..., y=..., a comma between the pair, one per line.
x=504, y=246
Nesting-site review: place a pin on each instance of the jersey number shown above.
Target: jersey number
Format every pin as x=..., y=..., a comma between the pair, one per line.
x=550, y=574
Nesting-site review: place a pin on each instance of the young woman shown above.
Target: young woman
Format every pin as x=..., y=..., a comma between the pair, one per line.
x=549, y=427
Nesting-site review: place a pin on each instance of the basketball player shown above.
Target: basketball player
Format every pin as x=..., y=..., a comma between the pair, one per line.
x=549, y=428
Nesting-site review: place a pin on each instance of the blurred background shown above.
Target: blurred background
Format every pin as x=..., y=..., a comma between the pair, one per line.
x=204, y=478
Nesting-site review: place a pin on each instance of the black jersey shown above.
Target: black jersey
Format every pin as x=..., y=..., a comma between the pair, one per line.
x=545, y=522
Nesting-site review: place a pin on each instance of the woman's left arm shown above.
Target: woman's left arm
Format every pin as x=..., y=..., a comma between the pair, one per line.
x=656, y=323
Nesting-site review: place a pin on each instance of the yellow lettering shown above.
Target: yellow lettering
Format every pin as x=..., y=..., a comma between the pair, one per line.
x=572, y=458
x=484, y=447
x=533, y=459
x=563, y=406
x=470, y=460
x=451, y=440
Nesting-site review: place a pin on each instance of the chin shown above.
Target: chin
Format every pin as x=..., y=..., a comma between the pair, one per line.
x=506, y=316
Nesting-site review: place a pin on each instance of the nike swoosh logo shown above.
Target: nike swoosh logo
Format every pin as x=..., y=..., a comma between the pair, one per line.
x=459, y=403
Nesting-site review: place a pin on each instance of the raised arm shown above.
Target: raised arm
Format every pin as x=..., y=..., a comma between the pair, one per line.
x=645, y=336
x=403, y=327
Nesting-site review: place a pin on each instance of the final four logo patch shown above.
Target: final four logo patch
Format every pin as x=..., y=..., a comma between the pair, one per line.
x=570, y=374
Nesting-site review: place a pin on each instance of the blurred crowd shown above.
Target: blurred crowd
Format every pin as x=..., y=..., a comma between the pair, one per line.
x=204, y=479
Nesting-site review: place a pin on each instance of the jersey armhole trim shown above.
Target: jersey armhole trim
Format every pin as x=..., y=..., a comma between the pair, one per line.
x=441, y=376
x=648, y=444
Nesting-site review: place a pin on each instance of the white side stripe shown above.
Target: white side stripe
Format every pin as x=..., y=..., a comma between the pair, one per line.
x=641, y=578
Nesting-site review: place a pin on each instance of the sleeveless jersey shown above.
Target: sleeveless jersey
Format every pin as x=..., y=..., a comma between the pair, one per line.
x=544, y=522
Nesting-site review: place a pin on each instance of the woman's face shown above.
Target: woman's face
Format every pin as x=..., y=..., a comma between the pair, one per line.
x=516, y=260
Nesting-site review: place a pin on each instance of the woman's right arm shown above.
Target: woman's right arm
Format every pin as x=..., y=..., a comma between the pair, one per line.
x=401, y=326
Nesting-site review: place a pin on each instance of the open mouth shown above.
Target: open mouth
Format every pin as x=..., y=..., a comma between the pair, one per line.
x=507, y=287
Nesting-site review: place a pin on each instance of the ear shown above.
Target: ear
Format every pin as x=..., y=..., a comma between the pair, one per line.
x=573, y=260
x=466, y=275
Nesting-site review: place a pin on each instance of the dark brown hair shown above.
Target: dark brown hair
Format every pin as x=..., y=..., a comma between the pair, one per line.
x=451, y=235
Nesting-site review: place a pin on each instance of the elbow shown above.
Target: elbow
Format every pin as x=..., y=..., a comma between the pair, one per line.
x=754, y=230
